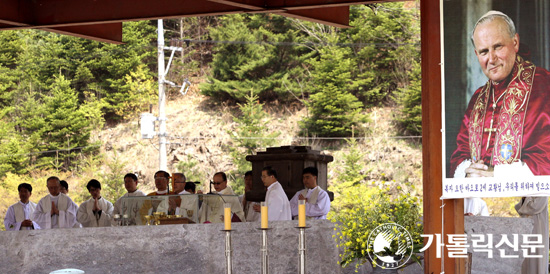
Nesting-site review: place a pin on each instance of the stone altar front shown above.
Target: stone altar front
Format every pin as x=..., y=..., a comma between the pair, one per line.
x=193, y=248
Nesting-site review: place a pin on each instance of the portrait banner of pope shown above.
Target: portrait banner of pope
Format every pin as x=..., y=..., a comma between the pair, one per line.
x=496, y=99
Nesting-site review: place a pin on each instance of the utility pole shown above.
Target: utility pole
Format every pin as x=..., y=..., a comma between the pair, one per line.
x=147, y=119
x=162, y=99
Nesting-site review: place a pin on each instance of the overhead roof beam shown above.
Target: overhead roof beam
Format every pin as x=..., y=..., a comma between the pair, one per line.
x=64, y=13
x=327, y=12
x=297, y=4
x=19, y=14
x=100, y=19
x=109, y=33
x=333, y=16
x=15, y=13
x=255, y=5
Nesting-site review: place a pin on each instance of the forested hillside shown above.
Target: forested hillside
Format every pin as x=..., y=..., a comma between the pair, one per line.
x=70, y=107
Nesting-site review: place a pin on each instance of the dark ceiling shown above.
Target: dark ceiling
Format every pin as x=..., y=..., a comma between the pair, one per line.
x=102, y=19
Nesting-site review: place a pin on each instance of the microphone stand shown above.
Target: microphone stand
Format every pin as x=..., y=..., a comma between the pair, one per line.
x=210, y=192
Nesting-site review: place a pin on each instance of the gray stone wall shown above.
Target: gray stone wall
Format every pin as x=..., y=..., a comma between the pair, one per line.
x=481, y=263
x=195, y=248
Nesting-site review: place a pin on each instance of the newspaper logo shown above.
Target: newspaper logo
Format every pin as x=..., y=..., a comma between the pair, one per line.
x=390, y=246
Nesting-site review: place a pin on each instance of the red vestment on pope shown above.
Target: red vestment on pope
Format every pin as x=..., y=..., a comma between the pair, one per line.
x=508, y=122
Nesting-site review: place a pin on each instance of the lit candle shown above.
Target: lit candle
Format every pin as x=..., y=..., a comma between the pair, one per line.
x=227, y=216
x=264, y=215
x=301, y=213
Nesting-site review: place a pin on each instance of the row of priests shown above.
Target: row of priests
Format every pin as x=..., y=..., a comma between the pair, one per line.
x=57, y=210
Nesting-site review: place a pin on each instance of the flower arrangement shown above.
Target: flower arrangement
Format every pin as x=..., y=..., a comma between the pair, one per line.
x=364, y=207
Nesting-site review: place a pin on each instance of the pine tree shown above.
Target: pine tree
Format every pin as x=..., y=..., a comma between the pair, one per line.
x=332, y=113
x=13, y=155
x=333, y=109
x=54, y=123
x=249, y=135
x=10, y=48
x=112, y=64
x=140, y=92
x=256, y=60
x=386, y=46
x=409, y=100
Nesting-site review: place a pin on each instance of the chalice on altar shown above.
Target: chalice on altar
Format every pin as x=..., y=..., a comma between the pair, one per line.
x=148, y=219
x=157, y=216
x=116, y=217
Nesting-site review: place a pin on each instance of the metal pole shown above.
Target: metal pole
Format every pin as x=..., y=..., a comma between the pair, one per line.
x=162, y=98
x=265, y=257
x=302, y=250
x=228, y=251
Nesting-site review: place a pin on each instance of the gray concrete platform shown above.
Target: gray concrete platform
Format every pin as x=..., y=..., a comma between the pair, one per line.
x=194, y=248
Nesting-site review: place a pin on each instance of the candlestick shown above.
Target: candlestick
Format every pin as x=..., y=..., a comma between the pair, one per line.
x=228, y=251
x=265, y=257
x=301, y=213
x=227, y=216
x=302, y=250
x=264, y=215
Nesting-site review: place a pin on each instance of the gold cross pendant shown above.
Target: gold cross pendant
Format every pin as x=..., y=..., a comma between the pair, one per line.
x=490, y=130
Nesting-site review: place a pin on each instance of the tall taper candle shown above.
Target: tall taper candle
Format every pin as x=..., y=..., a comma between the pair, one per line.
x=264, y=215
x=301, y=213
x=227, y=216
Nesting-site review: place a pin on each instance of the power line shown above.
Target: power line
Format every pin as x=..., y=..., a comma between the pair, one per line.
x=180, y=43
x=299, y=138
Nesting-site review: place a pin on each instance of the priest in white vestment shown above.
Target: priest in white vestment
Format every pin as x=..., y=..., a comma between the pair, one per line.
x=19, y=215
x=55, y=210
x=174, y=202
x=129, y=207
x=537, y=209
x=278, y=206
x=189, y=205
x=475, y=207
x=178, y=183
x=159, y=200
x=95, y=212
x=64, y=188
x=317, y=199
x=251, y=209
x=212, y=209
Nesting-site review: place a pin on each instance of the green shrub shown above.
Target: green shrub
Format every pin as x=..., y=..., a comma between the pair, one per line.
x=373, y=205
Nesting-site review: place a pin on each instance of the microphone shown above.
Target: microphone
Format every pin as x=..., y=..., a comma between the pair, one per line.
x=211, y=183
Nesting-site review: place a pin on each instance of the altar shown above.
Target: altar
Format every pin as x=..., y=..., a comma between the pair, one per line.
x=187, y=248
